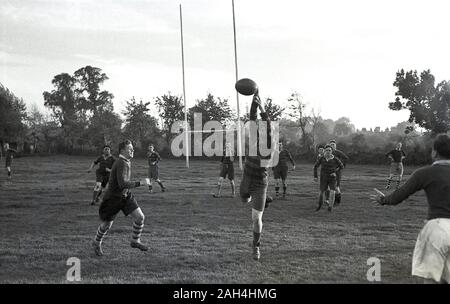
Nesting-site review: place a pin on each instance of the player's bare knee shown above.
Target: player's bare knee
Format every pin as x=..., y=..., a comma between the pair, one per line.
x=139, y=217
x=97, y=186
x=246, y=198
x=106, y=225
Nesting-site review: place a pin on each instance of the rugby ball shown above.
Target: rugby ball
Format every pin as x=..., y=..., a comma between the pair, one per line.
x=246, y=86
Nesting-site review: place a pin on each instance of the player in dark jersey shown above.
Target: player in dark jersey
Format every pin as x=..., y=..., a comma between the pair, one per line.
x=396, y=156
x=280, y=171
x=330, y=166
x=119, y=198
x=105, y=162
x=226, y=169
x=254, y=181
x=9, y=156
x=343, y=158
x=431, y=257
x=153, y=168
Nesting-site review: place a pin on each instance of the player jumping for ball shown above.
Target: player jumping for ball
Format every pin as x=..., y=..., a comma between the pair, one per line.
x=254, y=182
x=396, y=156
x=226, y=169
x=105, y=161
x=280, y=171
x=119, y=198
x=330, y=167
x=9, y=155
x=431, y=258
x=153, y=168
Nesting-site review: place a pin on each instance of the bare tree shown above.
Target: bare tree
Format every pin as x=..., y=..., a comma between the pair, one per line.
x=298, y=113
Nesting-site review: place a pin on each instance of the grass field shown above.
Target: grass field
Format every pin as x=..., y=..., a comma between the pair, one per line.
x=45, y=218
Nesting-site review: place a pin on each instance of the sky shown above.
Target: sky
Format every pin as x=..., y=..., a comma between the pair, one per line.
x=341, y=56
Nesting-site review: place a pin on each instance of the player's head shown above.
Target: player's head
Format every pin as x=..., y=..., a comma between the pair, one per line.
x=398, y=145
x=151, y=147
x=327, y=150
x=332, y=144
x=280, y=146
x=441, y=147
x=320, y=149
x=126, y=149
x=6, y=146
x=106, y=150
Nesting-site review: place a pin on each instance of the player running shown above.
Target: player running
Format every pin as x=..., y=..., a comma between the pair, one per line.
x=226, y=169
x=280, y=171
x=343, y=158
x=431, y=258
x=330, y=167
x=105, y=162
x=320, y=149
x=153, y=168
x=119, y=198
x=396, y=156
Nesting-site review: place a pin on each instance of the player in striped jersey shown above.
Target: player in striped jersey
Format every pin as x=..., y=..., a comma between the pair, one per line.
x=105, y=162
x=396, y=156
x=280, y=171
x=153, y=168
x=330, y=167
x=254, y=182
x=226, y=169
x=343, y=158
x=119, y=198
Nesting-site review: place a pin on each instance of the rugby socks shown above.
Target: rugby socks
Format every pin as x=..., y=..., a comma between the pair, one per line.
x=150, y=188
x=95, y=195
x=398, y=184
x=233, y=191
x=256, y=239
x=277, y=190
x=219, y=188
x=98, y=195
x=137, y=231
x=100, y=234
x=337, y=198
x=388, y=183
x=161, y=185
x=284, y=189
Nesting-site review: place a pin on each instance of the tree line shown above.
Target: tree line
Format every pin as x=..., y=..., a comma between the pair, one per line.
x=83, y=119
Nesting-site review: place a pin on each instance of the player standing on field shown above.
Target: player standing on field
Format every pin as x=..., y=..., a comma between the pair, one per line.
x=280, y=171
x=330, y=167
x=396, y=156
x=105, y=161
x=254, y=182
x=119, y=198
x=153, y=168
x=343, y=158
x=431, y=258
x=226, y=169
x=9, y=155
